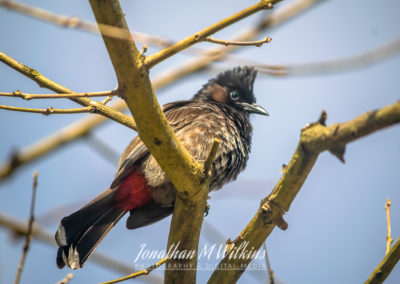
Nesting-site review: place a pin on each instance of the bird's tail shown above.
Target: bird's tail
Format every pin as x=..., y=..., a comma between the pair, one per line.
x=81, y=232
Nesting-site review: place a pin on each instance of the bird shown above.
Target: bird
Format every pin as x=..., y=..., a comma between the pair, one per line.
x=220, y=109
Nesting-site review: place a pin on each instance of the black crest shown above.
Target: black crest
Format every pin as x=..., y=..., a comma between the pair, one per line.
x=239, y=77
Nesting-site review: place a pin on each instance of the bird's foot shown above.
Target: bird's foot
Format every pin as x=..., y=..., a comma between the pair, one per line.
x=206, y=209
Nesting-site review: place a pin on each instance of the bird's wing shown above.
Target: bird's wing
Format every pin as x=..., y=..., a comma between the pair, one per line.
x=177, y=115
x=182, y=114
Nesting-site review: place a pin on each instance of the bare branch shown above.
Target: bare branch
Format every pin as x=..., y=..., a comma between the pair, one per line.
x=80, y=128
x=182, y=169
x=257, y=43
x=49, y=110
x=314, y=139
x=25, y=96
x=270, y=271
x=66, y=279
x=28, y=237
x=76, y=23
x=49, y=84
x=370, y=57
x=133, y=79
x=211, y=155
x=103, y=149
x=386, y=266
x=389, y=239
x=50, y=143
x=156, y=58
x=139, y=273
x=106, y=100
x=39, y=233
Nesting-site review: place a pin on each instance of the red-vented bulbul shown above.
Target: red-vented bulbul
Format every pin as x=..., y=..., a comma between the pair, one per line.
x=220, y=110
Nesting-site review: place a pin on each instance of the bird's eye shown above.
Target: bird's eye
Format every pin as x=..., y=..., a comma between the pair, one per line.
x=234, y=95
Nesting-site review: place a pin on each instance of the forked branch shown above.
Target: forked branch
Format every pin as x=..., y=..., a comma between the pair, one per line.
x=382, y=271
x=202, y=35
x=44, y=82
x=80, y=128
x=315, y=138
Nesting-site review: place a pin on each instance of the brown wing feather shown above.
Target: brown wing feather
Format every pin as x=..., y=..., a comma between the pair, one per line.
x=176, y=113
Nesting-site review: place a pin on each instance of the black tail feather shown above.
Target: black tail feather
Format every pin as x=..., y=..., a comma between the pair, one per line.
x=81, y=232
x=71, y=225
x=147, y=215
x=92, y=237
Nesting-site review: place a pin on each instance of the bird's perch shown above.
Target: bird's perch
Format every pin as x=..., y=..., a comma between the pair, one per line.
x=314, y=139
x=187, y=175
x=82, y=127
x=382, y=271
x=45, y=82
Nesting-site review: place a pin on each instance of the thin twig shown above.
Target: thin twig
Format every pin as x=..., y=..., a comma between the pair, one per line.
x=66, y=279
x=81, y=127
x=26, y=96
x=182, y=169
x=45, y=82
x=389, y=239
x=314, y=139
x=86, y=26
x=157, y=57
x=103, y=149
x=49, y=110
x=211, y=155
x=361, y=60
x=364, y=59
x=39, y=233
x=76, y=23
x=270, y=271
x=106, y=100
x=139, y=273
x=257, y=43
x=30, y=228
x=386, y=266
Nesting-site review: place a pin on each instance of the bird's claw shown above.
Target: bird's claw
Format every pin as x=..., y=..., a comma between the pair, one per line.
x=206, y=210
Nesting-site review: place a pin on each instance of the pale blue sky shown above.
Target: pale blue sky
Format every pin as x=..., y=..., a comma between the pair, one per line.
x=337, y=223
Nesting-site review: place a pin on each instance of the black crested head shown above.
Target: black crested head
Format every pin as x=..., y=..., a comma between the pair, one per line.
x=233, y=87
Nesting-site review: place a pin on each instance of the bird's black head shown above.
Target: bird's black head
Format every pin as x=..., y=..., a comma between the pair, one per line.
x=233, y=87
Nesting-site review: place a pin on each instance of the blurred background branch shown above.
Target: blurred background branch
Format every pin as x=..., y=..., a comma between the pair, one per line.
x=82, y=127
x=382, y=45
x=18, y=228
x=28, y=236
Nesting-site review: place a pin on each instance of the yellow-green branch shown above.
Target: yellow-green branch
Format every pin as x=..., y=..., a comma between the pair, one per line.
x=80, y=128
x=257, y=43
x=76, y=23
x=382, y=271
x=314, y=139
x=49, y=84
x=154, y=130
x=202, y=35
x=49, y=110
x=135, y=86
x=26, y=96
x=139, y=273
x=18, y=228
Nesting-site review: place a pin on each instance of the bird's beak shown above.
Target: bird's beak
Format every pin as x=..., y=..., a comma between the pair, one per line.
x=255, y=108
